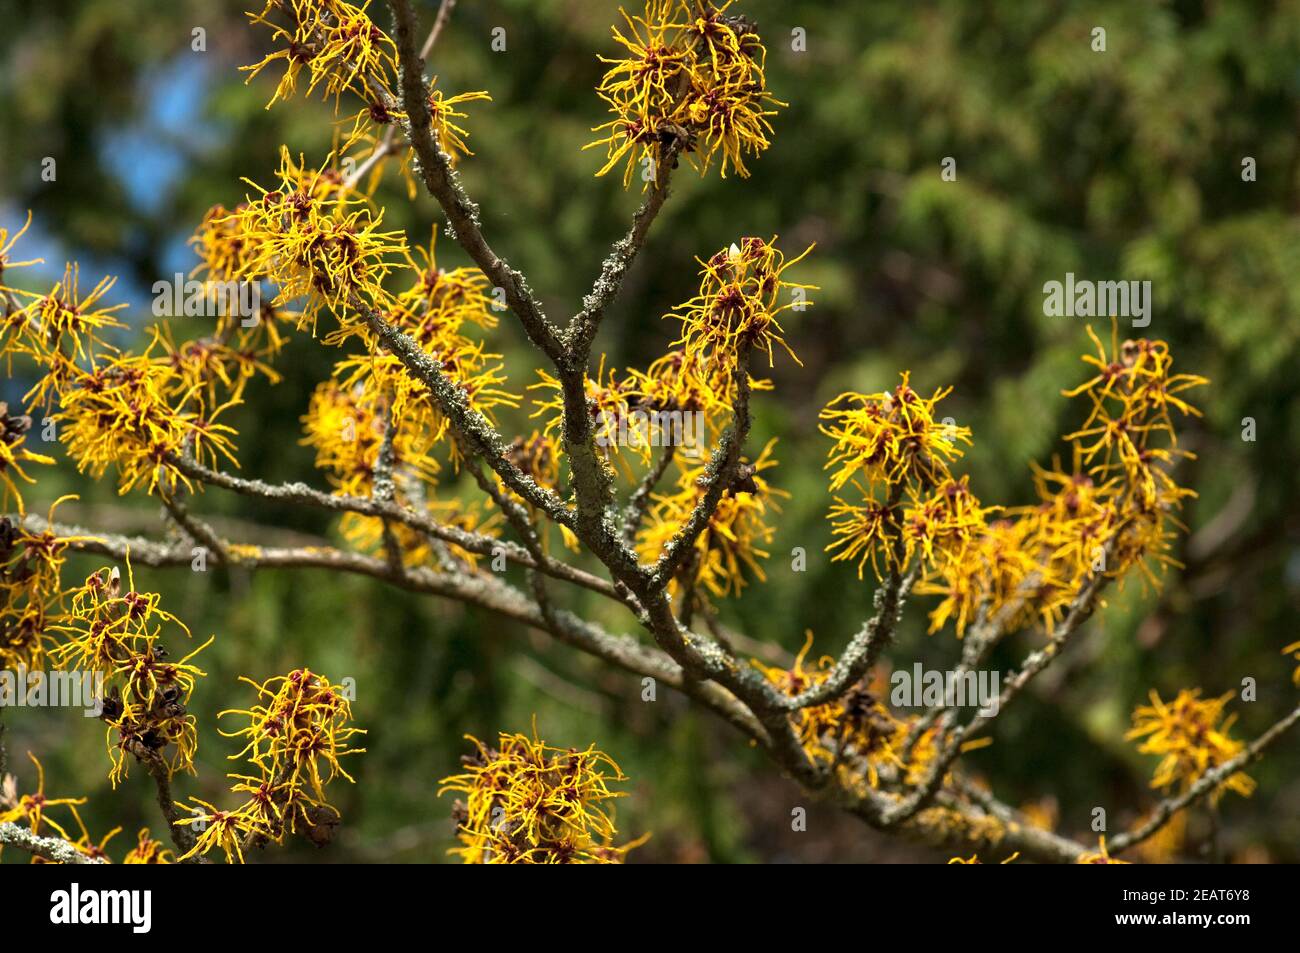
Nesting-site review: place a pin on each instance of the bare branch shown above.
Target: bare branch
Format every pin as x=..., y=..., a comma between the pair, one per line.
x=1081, y=608
x=865, y=647
x=481, y=590
x=182, y=835
x=582, y=329
x=442, y=182
x=439, y=24
x=476, y=543
x=54, y=849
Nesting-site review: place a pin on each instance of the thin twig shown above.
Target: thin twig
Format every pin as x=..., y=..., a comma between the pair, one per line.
x=181, y=833
x=1204, y=785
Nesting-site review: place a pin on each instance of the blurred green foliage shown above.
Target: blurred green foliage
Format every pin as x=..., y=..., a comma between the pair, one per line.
x=1123, y=164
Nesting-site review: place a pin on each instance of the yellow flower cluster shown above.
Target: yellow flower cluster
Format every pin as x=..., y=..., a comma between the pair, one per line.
x=691, y=78
x=741, y=291
x=436, y=310
x=241, y=344
x=648, y=409
x=372, y=392
x=1110, y=512
x=857, y=727
x=318, y=241
x=891, y=438
x=733, y=542
x=694, y=388
x=101, y=631
x=1187, y=734
x=895, y=442
x=346, y=426
x=530, y=803
x=343, y=51
x=612, y=404
x=294, y=743
x=132, y=412
x=682, y=382
x=335, y=42
x=117, y=635
x=137, y=413
x=31, y=809
x=30, y=597
x=868, y=745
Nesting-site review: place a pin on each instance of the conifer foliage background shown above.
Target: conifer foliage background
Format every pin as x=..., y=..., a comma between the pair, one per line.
x=1123, y=163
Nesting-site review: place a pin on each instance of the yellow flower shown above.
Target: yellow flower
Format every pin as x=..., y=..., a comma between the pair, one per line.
x=63, y=324
x=13, y=431
x=442, y=116
x=739, y=299
x=691, y=80
x=1188, y=735
x=1294, y=651
x=337, y=43
x=217, y=829
x=530, y=803
x=31, y=808
x=680, y=382
x=315, y=241
x=148, y=851
x=207, y=369
x=440, y=302
x=301, y=732
x=1100, y=856
x=866, y=532
x=891, y=437
x=7, y=244
x=945, y=523
x=1130, y=430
